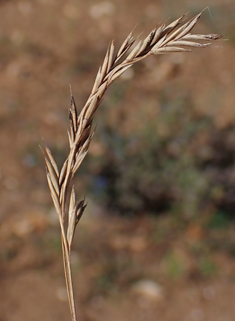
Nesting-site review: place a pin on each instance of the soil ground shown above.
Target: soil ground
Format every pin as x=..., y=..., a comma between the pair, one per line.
x=187, y=272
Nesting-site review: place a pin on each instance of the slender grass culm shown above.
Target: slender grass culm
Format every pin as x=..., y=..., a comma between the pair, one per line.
x=175, y=37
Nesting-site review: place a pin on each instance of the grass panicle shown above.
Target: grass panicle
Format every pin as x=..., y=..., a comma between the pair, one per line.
x=175, y=37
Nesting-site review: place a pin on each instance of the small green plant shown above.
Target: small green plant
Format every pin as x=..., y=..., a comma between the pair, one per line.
x=175, y=37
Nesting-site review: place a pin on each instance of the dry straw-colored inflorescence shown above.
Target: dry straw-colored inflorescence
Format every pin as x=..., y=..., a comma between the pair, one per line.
x=175, y=37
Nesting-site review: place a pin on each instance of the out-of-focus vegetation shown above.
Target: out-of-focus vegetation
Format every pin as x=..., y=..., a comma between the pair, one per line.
x=178, y=162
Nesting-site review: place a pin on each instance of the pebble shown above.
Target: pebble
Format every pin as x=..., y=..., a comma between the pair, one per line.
x=148, y=289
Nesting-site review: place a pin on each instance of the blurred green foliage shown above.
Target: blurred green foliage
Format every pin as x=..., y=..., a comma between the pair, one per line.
x=178, y=162
x=218, y=220
x=181, y=167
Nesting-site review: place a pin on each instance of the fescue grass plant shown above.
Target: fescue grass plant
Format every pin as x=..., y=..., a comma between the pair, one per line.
x=165, y=39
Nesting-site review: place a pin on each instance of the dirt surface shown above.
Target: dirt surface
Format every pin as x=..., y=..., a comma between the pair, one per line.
x=144, y=268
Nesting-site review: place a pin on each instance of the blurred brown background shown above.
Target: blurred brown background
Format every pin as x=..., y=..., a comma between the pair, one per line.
x=157, y=240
